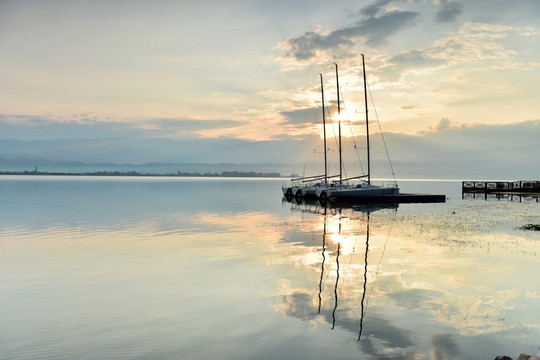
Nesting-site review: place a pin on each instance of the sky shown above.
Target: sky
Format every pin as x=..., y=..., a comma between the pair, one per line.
x=249, y=69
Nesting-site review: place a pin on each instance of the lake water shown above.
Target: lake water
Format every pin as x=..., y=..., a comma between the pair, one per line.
x=186, y=268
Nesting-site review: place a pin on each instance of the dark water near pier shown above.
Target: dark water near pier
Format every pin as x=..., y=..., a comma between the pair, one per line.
x=169, y=268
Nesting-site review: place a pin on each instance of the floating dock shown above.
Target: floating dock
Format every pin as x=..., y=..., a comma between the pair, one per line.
x=521, y=186
x=383, y=199
x=398, y=199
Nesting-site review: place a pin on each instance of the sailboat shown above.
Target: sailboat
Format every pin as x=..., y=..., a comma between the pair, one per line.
x=349, y=190
x=319, y=187
x=311, y=187
x=345, y=191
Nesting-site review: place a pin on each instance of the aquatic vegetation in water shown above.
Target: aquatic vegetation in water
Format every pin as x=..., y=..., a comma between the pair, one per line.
x=532, y=227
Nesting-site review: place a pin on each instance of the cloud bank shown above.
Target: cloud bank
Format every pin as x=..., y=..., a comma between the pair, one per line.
x=449, y=11
x=371, y=29
x=87, y=126
x=447, y=150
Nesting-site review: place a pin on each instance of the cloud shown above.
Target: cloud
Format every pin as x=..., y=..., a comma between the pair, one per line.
x=443, y=125
x=85, y=126
x=526, y=130
x=479, y=46
x=445, y=346
x=76, y=126
x=449, y=11
x=373, y=8
x=405, y=61
x=309, y=116
x=370, y=30
x=477, y=42
x=449, y=150
x=301, y=116
x=184, y=126
x=411, y=107
x=377, y=29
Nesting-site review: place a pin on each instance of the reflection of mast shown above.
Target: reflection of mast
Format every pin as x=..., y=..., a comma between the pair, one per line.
x=323, y=260
x=335, y=288
x=365, y=280
x=337, y=278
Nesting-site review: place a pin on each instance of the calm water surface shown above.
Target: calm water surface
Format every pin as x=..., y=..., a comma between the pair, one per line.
x=168, y=268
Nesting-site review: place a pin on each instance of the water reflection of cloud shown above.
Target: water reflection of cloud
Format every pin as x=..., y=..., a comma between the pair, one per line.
x=414, y=298
x=299, y=305
x=435, y=282
x=381, y=335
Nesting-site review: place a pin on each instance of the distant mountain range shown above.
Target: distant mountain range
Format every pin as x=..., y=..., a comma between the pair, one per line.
x=455, y=152
x=45, y=165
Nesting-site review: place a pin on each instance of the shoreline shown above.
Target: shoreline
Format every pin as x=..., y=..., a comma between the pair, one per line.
x=228, y=174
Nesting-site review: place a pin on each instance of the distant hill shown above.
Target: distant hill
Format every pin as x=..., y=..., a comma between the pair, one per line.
x=453, y=152
x=45, y=165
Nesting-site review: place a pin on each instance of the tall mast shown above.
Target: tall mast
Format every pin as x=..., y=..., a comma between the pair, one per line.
x=324, y=133
x=339, y=126
x=367, y=123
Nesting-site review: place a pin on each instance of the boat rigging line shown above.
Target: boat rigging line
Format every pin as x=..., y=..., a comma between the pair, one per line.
x=382, y=135
x=356, y=147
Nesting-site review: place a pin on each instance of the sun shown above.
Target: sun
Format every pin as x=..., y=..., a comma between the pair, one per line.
x=339, y=117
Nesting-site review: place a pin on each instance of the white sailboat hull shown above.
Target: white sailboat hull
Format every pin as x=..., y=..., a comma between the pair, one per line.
x=305, y=191
x=361, y=191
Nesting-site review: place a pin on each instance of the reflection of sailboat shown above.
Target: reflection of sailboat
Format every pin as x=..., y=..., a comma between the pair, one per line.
x=362, y=309
x=322, y=271
x=337, y=281
x=318, y=207
x=335, y=289
x=365, y=281
x=339, y=295
x=367, y=212
x=323, y=261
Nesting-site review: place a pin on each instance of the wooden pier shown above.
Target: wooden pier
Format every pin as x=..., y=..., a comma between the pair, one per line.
x=521, y=186
x=519, y=197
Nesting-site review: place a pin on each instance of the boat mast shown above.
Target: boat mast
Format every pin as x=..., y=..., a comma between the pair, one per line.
x=324, y=133
x=339, y=127
x=367, y=123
